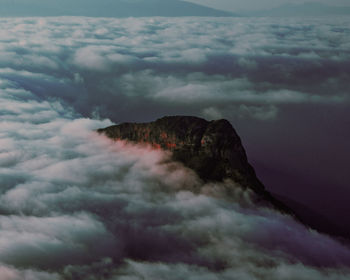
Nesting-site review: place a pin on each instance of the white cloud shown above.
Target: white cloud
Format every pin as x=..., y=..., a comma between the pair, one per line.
x=223, y=62
x=75, y=204
x=212, y=113
x=75, y=199
x=90, y=58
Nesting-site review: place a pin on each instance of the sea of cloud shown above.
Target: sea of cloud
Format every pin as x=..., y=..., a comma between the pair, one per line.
x=76, y=205
x=245, y=68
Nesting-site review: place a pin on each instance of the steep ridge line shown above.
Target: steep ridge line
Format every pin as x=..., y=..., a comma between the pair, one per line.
x=212, y=149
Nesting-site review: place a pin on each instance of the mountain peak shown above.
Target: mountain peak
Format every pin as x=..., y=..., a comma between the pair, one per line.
x=212, y=149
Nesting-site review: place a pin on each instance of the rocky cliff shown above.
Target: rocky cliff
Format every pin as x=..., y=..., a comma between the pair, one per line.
x=211, y=148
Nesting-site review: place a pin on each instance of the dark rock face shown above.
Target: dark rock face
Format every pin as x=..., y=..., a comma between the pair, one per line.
x=212, y=149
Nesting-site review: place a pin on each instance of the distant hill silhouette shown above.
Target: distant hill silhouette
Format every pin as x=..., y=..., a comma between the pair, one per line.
x=304, y=9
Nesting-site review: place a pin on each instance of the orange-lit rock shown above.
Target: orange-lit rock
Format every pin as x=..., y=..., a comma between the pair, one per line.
x=211, y=148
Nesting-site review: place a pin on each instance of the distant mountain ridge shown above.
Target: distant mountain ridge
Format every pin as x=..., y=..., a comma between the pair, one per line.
x=106, y=8
x=304, y=9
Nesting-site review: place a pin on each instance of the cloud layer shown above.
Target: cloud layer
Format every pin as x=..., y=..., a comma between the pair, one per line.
x=281, y=81
x=219, y=64
x=75, y=205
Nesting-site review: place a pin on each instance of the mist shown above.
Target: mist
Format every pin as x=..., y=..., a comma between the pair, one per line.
x=76, y=205
x=282, y=84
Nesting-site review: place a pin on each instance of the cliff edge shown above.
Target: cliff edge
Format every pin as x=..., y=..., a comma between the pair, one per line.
x=212, y=149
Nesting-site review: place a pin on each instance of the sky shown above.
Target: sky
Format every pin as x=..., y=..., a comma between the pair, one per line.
x=104, y=8
x=76, y=205
x=172, y=8
x=236, y=5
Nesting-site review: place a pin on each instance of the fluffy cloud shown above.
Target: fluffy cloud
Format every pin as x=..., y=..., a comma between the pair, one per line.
x=75, y=205
x=222, y=62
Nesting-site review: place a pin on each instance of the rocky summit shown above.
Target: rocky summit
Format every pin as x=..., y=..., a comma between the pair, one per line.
x=212, y=149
